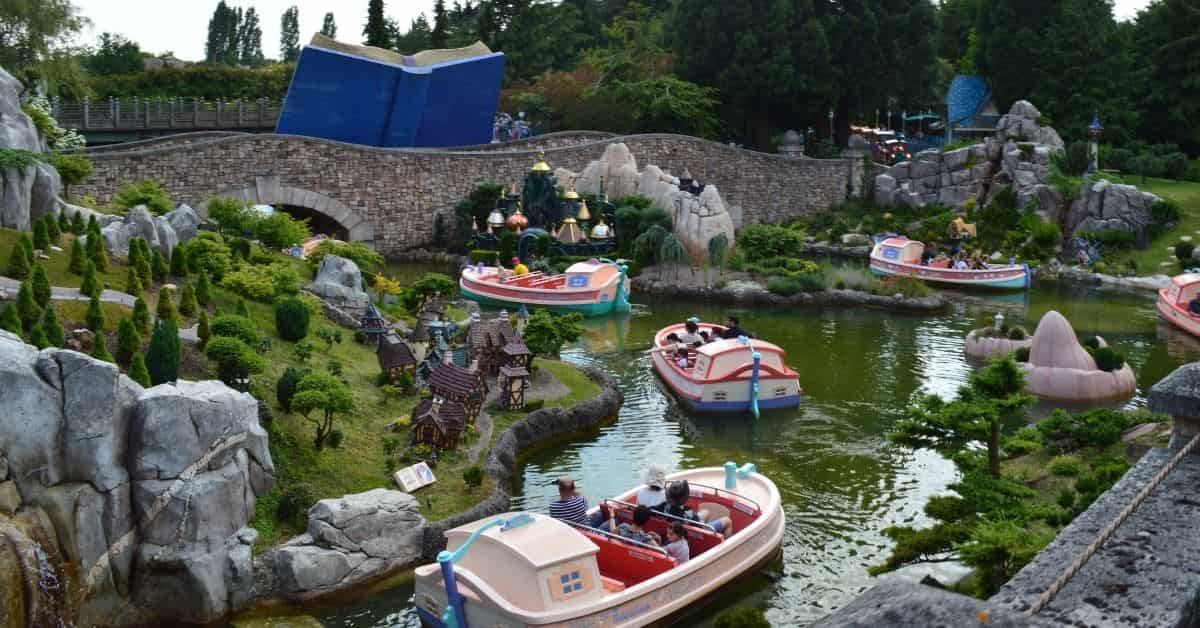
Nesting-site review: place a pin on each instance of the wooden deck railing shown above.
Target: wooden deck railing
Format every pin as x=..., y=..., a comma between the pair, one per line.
x=184, y=114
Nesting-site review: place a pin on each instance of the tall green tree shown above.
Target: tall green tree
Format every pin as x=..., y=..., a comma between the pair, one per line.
x=141, y=316
x=223, y=46
x=27, y=307
x=53, y=329
x=375, y=30
x=329, y=26
x=138, y=371
x=114, y=54
x=289, y=34
x=129, y=342
x=78, y=263
x=162, y=356
x=438, y=38
x=955, y=21
x=95, y=316
x=100, y=348
x=250, y=52
x=90, y=285
x=18, y=263
x=9, y=319
x=41, y=285
x=417, y=36
x=41, y=236
x=35, y=39
x=1166, y=42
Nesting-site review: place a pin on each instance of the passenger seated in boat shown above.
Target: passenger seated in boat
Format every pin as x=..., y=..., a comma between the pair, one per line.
x=977, y=263
x=929, y=254
x=961, y=264
x=732, y=330
x=677, y=545
x=653, y=495
x=519, y=268
x=681, y=357
x=691, y=335
x=678, y=494
x=634, y=531
x=1194, y=306
x=570, y=506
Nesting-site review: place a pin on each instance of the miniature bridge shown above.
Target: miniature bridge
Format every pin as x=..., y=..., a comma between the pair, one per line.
x=115, y=120
x=403, y=198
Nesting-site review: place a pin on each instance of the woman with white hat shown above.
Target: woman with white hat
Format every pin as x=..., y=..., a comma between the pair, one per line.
x=652, y=495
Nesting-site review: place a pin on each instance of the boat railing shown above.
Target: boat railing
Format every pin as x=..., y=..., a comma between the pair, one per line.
x=667, y=516
x=617, y=537
x=515, y=278
x=721, y=491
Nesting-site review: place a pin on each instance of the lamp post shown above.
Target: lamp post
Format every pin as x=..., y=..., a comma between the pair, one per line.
x=1094, y=131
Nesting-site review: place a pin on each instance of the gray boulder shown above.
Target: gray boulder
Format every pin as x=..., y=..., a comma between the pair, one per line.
x=16, y=132
x=957, y=159
x=184, y=221
x=855, y=239
x=191, y=583
x=1022, y=124
x=339, y=281
x=885, y=190
x=140, y=222
x=167, y=238
x=43, y=196
x=1110, y=206
x=304, y=568
x=379, y=523
x=210, y=508
x=16, y=195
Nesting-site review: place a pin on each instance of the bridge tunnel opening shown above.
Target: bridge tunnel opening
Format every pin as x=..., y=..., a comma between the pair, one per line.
x=319, y=223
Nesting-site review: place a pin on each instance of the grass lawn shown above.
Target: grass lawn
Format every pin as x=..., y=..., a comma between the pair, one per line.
x=1150, y=260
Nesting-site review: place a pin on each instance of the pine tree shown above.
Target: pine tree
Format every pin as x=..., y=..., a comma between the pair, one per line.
x=92, y=224
x=179, y=267
x=53, y=329
x=64, y=222
x=98, y=255
x=141, y=316
x=202, y=330
x=90, y=285
x=289, y=35
x=133, y=283
x=95, y=316
x=145, y=272
x=250, y=51
x=203, y=290
x=26, y=245
x=137, y=370
x=329, y=26
x=158, y=266
x=41, y=285
x=78, y=262
x=18, y=263
x=100, y=348
x=129, y=342
x=135, y=251
x=440, y=34
x=187, y=301
x=37, y=337
x=376, y=29
x=222, y=45
x=27, y=307
x=166, y=306
x=162, y=357
x=242, y=310
x=53, y=229
x=41, y=236
x=9, y=319
x=77, y=226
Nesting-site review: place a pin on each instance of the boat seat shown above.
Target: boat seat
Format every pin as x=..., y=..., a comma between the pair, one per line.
x=700, y=537
x=942, y=263
x=612, y=584
x=715, y=511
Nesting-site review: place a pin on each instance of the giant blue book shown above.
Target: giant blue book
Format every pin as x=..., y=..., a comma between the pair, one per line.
x=371, y=96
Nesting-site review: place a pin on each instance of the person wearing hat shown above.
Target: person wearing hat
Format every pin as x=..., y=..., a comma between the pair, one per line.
x=519, y=268
x=570, y=506
x=652, y=495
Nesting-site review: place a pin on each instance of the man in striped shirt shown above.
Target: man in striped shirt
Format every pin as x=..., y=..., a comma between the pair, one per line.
x=570, y=506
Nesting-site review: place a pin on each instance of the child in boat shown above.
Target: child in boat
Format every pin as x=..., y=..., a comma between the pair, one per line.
x=519, y=268
x=677, y=506
x=690, y=335
x=634, y=531
x=677, y=545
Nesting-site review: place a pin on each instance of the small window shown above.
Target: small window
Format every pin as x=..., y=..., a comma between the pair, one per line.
x=719, y=395
x=781, y=391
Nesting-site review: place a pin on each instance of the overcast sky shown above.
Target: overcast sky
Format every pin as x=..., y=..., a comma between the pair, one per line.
x=180, y=26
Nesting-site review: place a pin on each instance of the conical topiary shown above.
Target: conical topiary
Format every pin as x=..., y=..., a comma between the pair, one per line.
x=95, y=315
x=203, y=290
x=141, y=316
x=64, y=222
x=133, y=283
x=100, y=348
x=41, y=285
x=179, y=267
x=145, y=273
x=90, y=285
x=18, y=263
x=27, y=307
x=41, y=236
x=9, y=319
x=91, y=223
x=162, y=357
x=37, y=337
x=187, y=301
x=78, y=262
x=137, y=370
x=202, y=330
x=129, y=342
x=54, y=329
x=52, y=229
x=158, y=266
x=166, y=306
x=77, y=225
x=101, y=256
x=27, y=246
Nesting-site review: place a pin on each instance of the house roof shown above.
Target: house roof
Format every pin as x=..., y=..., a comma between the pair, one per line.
x=446, y=414
x=420, y=334
x=454, y=379
x=394, y=352
x=372, y=321
x=967, y=96
x=514, y=371
x=516, y=347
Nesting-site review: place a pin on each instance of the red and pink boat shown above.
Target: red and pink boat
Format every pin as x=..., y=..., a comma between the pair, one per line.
x=899, y=256
x=1174, y=299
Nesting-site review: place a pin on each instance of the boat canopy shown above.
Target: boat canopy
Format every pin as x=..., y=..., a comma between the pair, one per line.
x=719, y=359
x=901, y=250
x=1184, y=287
x=592, y=273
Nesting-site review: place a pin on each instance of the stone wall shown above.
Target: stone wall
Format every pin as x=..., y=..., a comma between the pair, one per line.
x=397, y=192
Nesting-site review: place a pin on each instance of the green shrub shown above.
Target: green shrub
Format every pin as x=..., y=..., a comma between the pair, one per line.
x=141, y=316
x=263, y=283
x=1164, y=212
x=1065, y=466
x=203, y=290
x=362, y=255
x=232, y=215
x=137, y=370
x=291, y=319
x=18, y=158
x=235, y=361
x=1108, y=359
x=1016, y=333
x=472, y=477
x=73, y=168
x=234, y=326
x=1022, y=354
x=94, y=317
x=787, y=286
x=1093, y=428
x=187, y=301
x=179, y=266
x=280, y=230
x=53, y=329
x=1183, y=251
x=910, y=287
x=148, y=192
x=483, y=255
x=334, y=439
x=534, y=405
x=762, y=241
x=285, y=388
x=203, y=329
x=162, y=358
x=208, y=254
x=100, y=349
x=294, y=502
x=741, y=617
x=1110, y=238
x=166, y=310
x=129, y=342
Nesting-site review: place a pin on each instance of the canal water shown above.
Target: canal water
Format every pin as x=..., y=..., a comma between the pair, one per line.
x=842, y=482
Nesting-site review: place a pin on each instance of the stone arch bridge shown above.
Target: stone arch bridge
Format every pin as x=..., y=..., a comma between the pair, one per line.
x=389, y=197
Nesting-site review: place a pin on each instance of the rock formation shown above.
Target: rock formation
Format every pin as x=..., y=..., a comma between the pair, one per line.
x=1059, y=368
x=144, y=493
x=28, y=193
x=981, y=346
x=697, y=218
x=340, y=282
x=1105, y=206
x=160, y=232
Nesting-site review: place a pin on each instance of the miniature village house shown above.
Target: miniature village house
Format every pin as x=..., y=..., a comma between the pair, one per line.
x=372, y=324
x=463, y=385
x=513, y=377
x=395, y=357
x=438, y=423
x=486, y=342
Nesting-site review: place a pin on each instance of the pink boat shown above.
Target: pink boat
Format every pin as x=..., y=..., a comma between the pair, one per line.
x=1173, y=303
x=900, y=256
x=527, y=569
x=593, y=288
x=736, y=375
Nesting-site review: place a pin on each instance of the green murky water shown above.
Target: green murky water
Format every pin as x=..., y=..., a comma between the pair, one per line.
x=841, y=480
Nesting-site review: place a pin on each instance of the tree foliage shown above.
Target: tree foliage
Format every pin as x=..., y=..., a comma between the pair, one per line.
x=291, y=319
x=162, y=357
x=546, y=333
x=329, y=26
x=289, y=34
x=114, y=54
x=129, y=342
x=375, y=31
x=234, y=360
x=319, y=399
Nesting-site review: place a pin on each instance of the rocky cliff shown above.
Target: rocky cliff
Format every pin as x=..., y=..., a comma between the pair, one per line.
x=122, y=505
x=29, y=192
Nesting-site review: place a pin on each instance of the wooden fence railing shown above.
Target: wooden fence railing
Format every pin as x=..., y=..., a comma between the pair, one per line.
x=184, y=114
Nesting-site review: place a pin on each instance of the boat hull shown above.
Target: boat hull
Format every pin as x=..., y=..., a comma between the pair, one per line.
x=703, y=397
x=1176, y=315
x=587, y=308
x=1011, y=278
x=611, y=296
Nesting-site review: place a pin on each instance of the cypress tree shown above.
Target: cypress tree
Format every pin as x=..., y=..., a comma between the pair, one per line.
x=203, y=290
x=41, y=285
x=133, y=283
x=137, y=370
x=90, y=285
x=202, y=330
x=135, y=253
x=53, y=329
x=94, y=242
x=78, y=262
x=129, y=342
x=100, y=256
x=27, y=246
x=64, y=222
x=162, y=358
x=376, y=29
x=41, y=237
x=179, y=262
x=18, y=263
x=242, y=310
x=187, y=301
x=95, y=316
x=27, y=307
x=141, y=316
x=166, y=307
x=92, y=224
x=77, y=226
x=145, y=273
x=100, y=348
x=158, y=265
x=37, y=337
x=9, y=319
x=52, y=228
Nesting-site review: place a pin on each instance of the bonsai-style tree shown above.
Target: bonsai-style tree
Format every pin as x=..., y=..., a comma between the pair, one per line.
x=129, y=342
x=546, y=333
x=90, y=285
x=234, y=360
x=386, y=286
x=330, y=335
x=319, y=398
x=304, y=351
x=472, y=477
x=187, y=301
x=137, y=370
x=162, y=358
x=426, y=288
x=141, y=316
x=95, y=315
x=179, y=267
x=78, y=262
x=27, y=307
x=41, y=284
x=291, y=319
x=100, y=350
x=203, y=290
x=9, y=319
x=202, y=329
x=54, y=329
x=18, y=262
x=133, y=283
x=285, y=388
x=166, y=306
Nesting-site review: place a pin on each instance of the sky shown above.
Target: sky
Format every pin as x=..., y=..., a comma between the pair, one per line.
x=180, y=26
